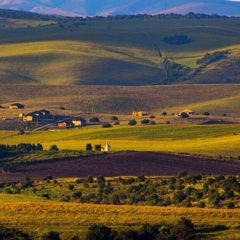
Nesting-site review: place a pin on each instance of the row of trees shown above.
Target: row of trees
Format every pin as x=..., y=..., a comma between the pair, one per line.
x=21, y=147
x=25, y=148
x=7, y=13
x=212, y=57
x=182, y=229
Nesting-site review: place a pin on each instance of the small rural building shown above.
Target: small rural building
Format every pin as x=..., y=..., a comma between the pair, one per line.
x=106, y=148
x=78, y=122
x=139, y=113
x=16, y=106
x=65, y=124
x=36, y=116
x=29, y=118
x=188, y=111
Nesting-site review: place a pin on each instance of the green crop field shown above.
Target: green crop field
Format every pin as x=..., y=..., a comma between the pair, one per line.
x=213, y=140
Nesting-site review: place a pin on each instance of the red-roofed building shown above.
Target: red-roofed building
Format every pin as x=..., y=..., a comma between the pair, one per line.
x=16, y=106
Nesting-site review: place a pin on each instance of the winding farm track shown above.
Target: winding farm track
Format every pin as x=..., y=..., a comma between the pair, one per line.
x=124, y=164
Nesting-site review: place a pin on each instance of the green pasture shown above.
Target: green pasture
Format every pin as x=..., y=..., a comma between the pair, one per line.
x=211, y=140
x=128, y=51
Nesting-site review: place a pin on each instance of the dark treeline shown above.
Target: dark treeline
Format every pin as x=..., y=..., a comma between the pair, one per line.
x=7, y=13
x=21, y=147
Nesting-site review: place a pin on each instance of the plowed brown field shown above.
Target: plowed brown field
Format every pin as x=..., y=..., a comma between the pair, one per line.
x=124, y=164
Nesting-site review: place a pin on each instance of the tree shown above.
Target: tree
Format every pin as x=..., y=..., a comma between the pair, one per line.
x=184, y=115
x=77, y=194
x=51, y=236
x=97, y=147
x=62, y=108
x=149, y=231
x=53, y=148
x=164, y=113
x=100, y=232
x=151, y=117
x=201, y=204
x=39, y=147
x=114, y=118
x=106, y=125
x=88, y=147
x=145, y=121
x=94, y=119
x=21, y=132
x=132, y=122
x=178, y=197
x=206, y=113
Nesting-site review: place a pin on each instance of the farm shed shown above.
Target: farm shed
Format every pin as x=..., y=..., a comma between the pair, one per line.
x=66, y=124
x=36, y=115
x=139, y=113
x=16, y=106
x=78, y=122
x=188, y=111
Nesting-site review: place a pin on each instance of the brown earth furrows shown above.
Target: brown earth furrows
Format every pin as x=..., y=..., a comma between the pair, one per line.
x=124, y=164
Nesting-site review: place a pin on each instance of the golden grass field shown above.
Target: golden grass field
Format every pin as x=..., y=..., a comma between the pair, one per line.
x=71, y=218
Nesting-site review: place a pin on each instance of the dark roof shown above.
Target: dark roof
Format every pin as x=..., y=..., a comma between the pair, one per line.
x=16, y=104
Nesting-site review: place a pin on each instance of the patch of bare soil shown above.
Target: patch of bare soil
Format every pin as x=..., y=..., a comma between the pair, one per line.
x=124, y=164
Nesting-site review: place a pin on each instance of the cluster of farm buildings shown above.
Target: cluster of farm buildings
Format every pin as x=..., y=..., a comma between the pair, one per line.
x=45, y=116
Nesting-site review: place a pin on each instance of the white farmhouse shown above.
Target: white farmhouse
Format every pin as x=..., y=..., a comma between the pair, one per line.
x=106, y=148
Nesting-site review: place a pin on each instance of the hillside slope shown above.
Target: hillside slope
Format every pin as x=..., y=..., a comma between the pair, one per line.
x=110, y=7
x=121, y=52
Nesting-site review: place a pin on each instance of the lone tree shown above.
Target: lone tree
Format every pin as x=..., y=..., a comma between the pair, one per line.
x=89, y=147
x=98, y=147
x=94, y=119
x=114, y=118
x=53, y=148
x=145, y=121
x=132, y=122
x=184, y=115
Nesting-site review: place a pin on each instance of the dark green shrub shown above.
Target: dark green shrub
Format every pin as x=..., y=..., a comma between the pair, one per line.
x=132, y=122
x=12, y=234
x=201, y=204
x=114, y=118
x=77, y=194
x=51, y=236
x=89, y=147
x=94, y=120
x=106, y=125
x=97, y=147
x=53, y=148
x=230, y=205
x=100, y=232
x=145, y=121
x=70, y=187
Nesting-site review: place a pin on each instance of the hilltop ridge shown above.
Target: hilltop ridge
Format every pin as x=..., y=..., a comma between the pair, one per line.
x=109, y=7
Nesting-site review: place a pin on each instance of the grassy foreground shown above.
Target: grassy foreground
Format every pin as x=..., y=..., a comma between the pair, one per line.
x=68, y=219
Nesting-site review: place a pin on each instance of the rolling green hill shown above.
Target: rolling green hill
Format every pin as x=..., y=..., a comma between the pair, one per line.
x=117, y=52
